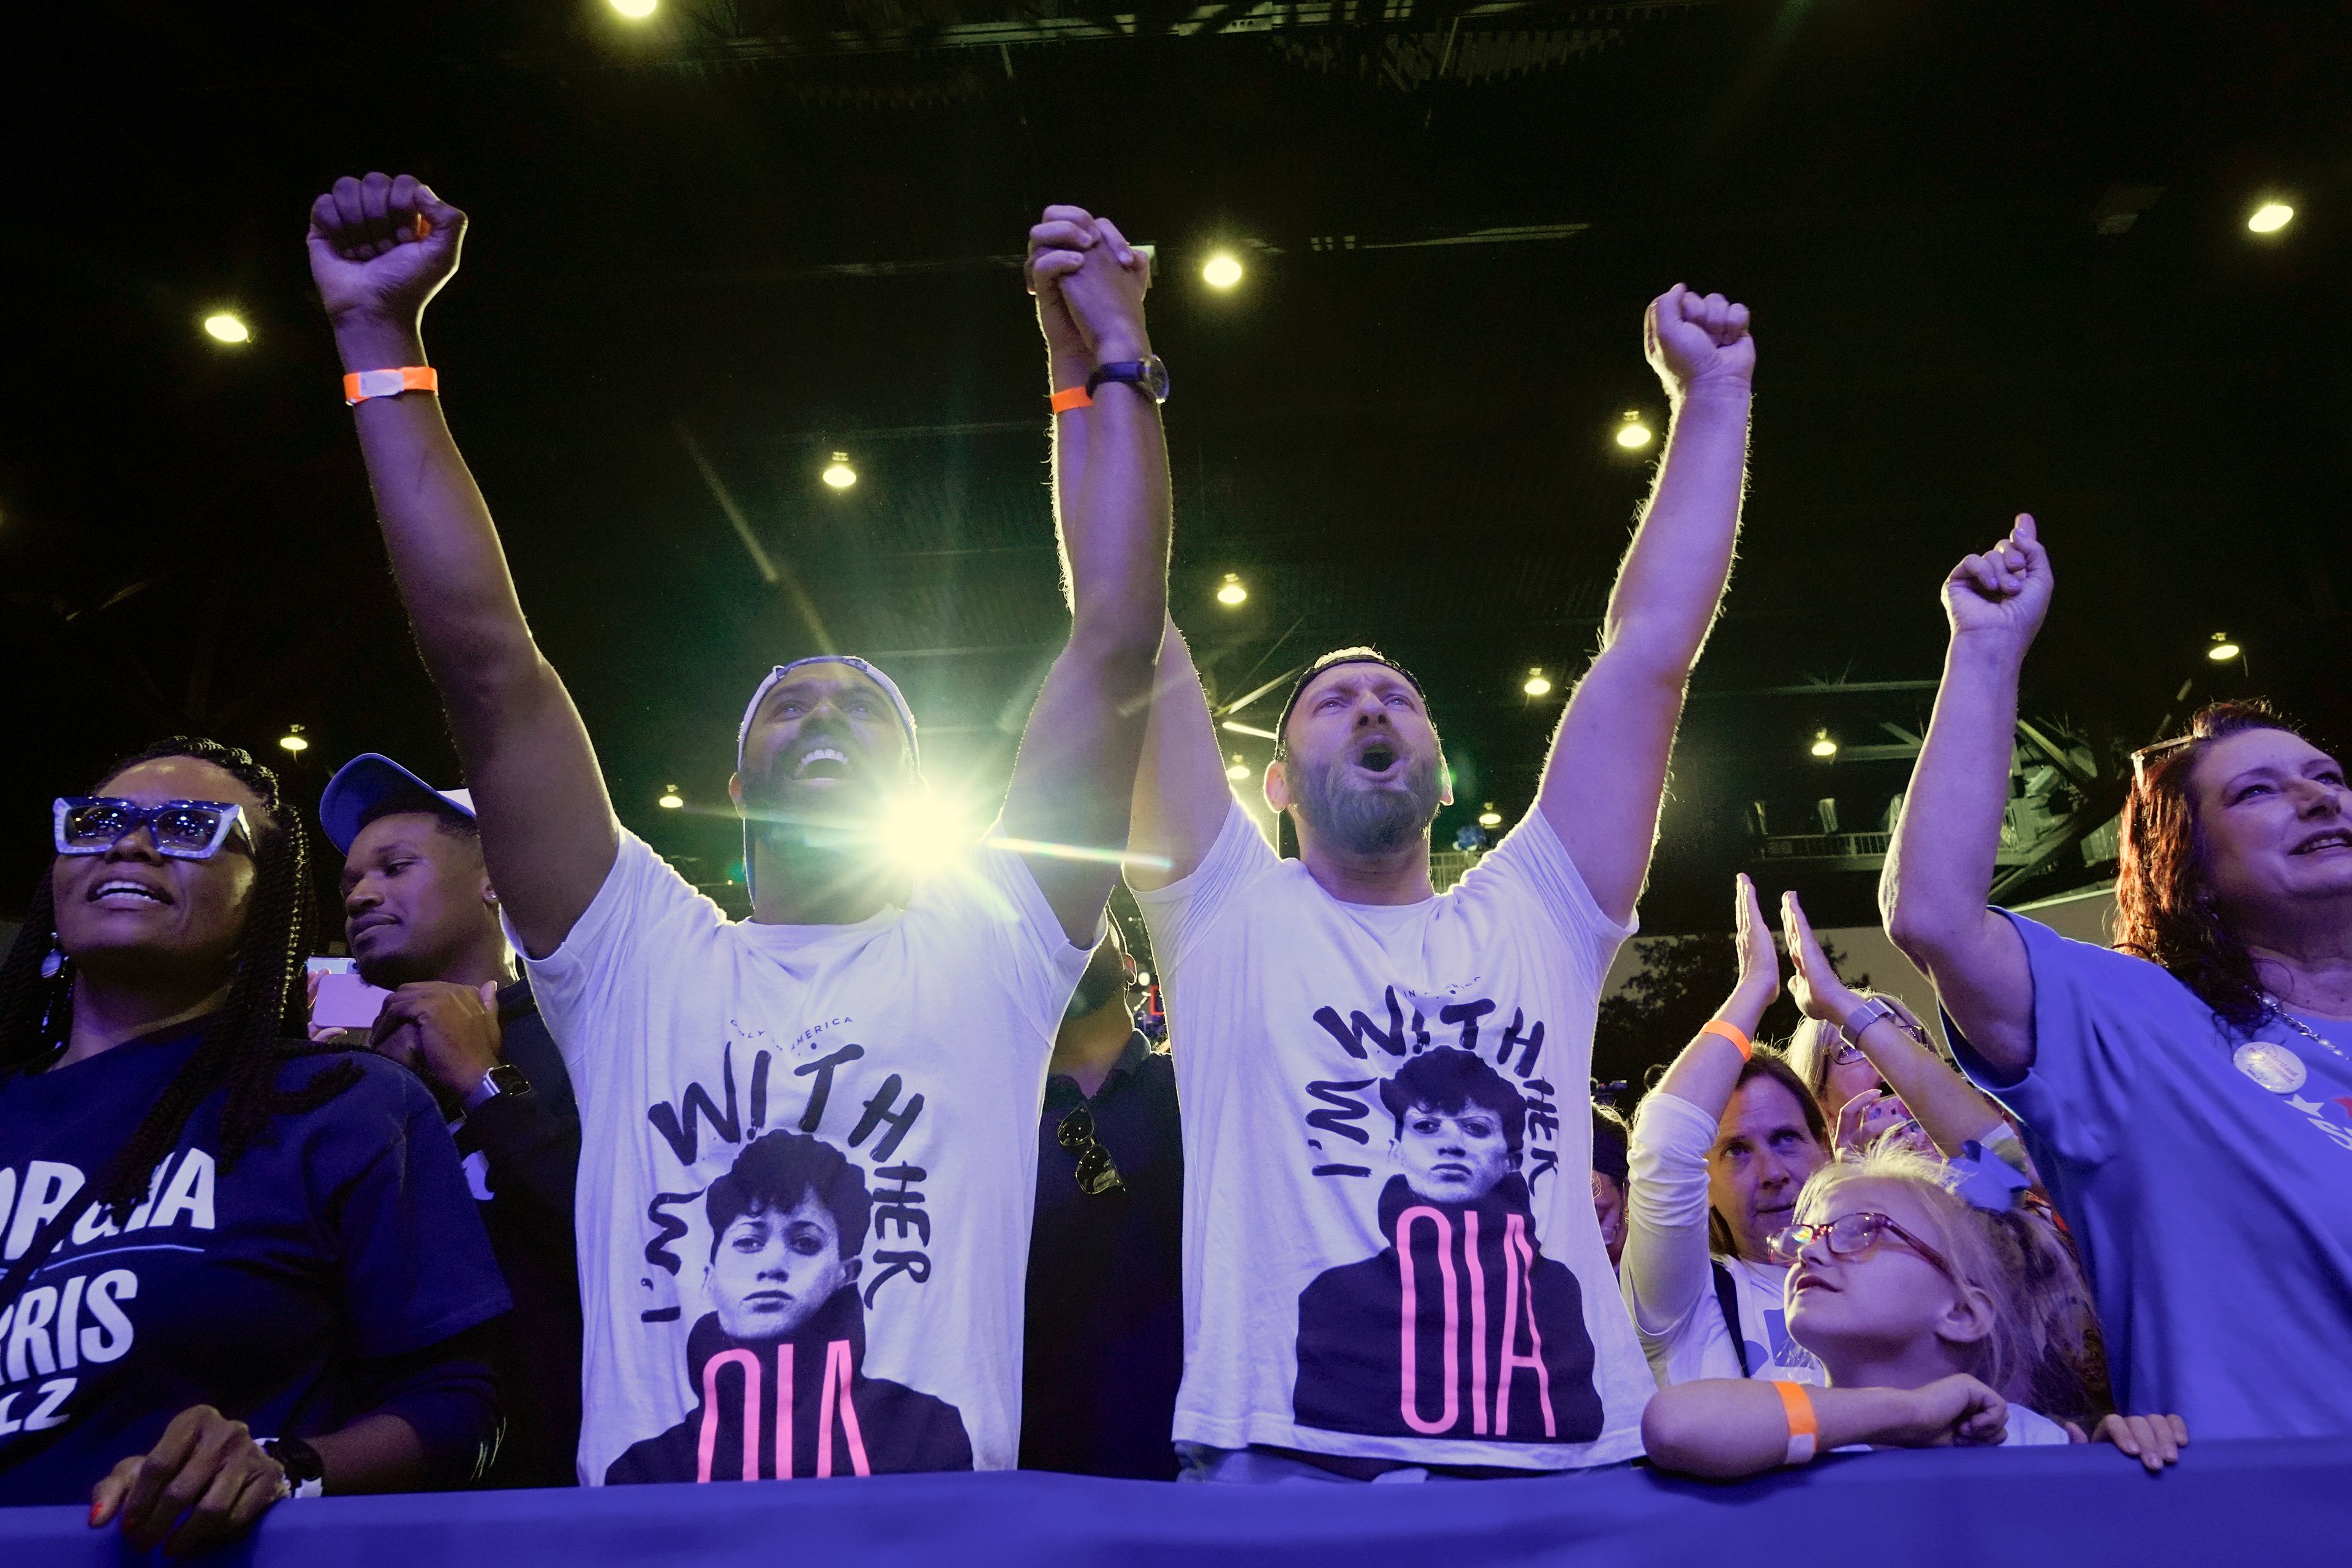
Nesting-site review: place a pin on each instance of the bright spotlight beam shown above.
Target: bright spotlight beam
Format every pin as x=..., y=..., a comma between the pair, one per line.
x=1238, y=728
x=1078, y=852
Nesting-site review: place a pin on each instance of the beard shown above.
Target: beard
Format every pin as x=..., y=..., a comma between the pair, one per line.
x=1368, y=821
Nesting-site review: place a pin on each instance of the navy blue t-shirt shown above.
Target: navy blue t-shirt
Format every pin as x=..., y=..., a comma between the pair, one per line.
x=344, y=1234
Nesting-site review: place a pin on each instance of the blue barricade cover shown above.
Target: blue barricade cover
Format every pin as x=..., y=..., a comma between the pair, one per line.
x=2232, y=1504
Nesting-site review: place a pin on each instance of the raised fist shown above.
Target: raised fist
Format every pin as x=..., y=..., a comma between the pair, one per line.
x=1089, y=284
x=1697, y=340
x=2002, y=595
x=382, y=247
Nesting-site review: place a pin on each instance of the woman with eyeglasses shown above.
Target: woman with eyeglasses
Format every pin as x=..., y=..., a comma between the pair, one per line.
x=237, y=1266
x=1921, y=1304
x=2187, y=1095
x=1718, y=1152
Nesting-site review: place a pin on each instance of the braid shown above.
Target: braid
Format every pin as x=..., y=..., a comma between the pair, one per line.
x=34, y=1007
x=245, y=1043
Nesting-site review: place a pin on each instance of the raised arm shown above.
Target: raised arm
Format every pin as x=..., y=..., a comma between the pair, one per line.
x=1939, y=869
x=1665, y=1262
x=1950, y=1109
x=1076, y=776
x=379, y=248
x=1607, y=772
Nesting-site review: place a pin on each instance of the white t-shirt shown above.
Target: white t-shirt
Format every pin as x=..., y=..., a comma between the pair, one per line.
x=1495, y=1336
x=1666, y=1267
x=884, y=1078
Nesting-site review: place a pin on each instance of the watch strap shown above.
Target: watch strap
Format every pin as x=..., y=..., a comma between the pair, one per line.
x=1149, y=376
x=1872, y=1010
x=306, y=1471
x=501, y=1080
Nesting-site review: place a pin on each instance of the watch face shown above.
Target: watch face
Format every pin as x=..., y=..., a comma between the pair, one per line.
x=507, y=1079
x=1155, y=378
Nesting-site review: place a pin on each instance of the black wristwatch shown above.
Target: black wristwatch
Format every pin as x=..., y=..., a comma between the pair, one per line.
x=306, y=1473
x=1148, y=376
x=503, y=1078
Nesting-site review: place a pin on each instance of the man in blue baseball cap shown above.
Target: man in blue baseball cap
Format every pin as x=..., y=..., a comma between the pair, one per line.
x=906, y=1023
x=421, y=919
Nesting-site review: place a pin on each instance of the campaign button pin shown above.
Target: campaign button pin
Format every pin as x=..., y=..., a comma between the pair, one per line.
x=2272, y=1066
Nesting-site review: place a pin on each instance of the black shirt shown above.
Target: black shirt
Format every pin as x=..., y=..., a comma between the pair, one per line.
x=1106, y=1311
x=523, y=1151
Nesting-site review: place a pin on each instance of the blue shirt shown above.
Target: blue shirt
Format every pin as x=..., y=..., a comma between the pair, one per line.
x=2207, y=1177
x=344, y=1234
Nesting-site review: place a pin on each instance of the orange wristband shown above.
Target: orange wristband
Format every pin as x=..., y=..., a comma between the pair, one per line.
x=1804, y=1427
x=1070, y=398
x=361, y=384
x=1730, y=1031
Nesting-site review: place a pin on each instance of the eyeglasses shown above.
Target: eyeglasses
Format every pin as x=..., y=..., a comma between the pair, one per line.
x=183, y=829
x=1847, y=1053
x=2157, y=753
x=1851, y=1235
x=1096, y=1175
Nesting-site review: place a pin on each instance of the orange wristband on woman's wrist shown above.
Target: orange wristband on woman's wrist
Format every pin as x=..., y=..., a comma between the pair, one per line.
x=1070, y=398
x=360, y=385
x=1731, y=1032
x=1804, y=1426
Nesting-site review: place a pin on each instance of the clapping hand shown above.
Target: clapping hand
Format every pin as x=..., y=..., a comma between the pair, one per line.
x=1698, y=340
x=1814, y=983
x=380, y=247
x=2001, y=594
x=1760, y=965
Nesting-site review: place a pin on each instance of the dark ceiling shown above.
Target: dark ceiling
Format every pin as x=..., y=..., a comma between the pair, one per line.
x=1996, y=256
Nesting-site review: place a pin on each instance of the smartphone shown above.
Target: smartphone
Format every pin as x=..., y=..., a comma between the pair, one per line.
x=344, y=1000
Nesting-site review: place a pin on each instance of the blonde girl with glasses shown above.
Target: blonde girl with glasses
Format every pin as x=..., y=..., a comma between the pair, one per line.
x=1922, y=1306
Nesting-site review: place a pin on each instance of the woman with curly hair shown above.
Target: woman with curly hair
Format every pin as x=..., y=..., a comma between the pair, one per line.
x=2187, y=1096
x=236, y=1267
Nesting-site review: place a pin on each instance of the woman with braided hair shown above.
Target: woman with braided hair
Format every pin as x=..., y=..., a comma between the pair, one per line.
x=234, y=1267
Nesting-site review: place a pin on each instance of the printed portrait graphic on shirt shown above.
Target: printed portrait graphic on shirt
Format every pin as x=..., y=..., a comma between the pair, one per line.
x=1459, y=1326
x=778, y=1363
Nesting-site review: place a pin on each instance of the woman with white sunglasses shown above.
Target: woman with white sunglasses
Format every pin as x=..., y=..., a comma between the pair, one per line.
x=234, y=1267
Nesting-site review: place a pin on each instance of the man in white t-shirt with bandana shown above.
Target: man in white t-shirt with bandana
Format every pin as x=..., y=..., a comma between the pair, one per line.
x=1392, y=1266
x=808, y=1138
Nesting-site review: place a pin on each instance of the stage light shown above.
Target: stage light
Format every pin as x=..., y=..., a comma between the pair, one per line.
x=1232, y=593
x=227, y=328
x=1823, y=746
x=1490, y=818
x=1143, y=977
x=671, y=800
x=1222, y=271
x=1239, y=771
x=2270, y=217
x=921, y=831
x=1634, y=435
x=838, y=473
x=636, y=10
x=1537, y=683
x=2224, y=650
x=294, y=741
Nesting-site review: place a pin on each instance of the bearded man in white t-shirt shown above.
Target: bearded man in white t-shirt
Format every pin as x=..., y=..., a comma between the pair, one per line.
x=889, y=1035
x=1458, y=1315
